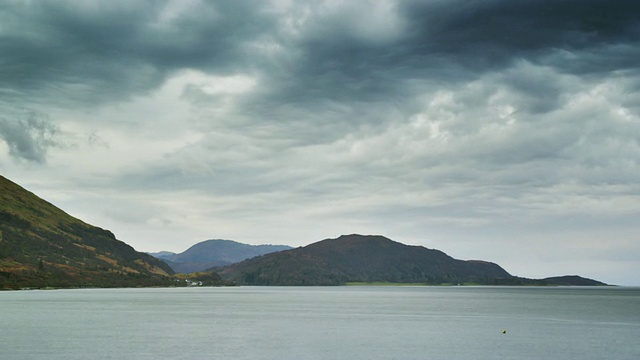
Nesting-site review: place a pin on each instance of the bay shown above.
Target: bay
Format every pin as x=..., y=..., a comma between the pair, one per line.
x=361, y=322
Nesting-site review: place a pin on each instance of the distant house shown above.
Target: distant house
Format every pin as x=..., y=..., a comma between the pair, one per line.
x=193, y=283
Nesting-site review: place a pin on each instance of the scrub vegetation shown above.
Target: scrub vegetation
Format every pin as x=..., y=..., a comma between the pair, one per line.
x=42, y=246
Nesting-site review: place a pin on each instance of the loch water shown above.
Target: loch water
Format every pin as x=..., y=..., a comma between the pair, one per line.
x=351, y=322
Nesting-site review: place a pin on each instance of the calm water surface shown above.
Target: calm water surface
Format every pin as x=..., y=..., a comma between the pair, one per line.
x=322, y=323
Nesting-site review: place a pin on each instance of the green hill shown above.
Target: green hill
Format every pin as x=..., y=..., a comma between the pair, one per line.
x=42, y=246
x=358, y=258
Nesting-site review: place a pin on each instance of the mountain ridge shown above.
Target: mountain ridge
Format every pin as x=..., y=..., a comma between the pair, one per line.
x=360, y=258
x=374, y=259
x=43, y=246
x=214, y=253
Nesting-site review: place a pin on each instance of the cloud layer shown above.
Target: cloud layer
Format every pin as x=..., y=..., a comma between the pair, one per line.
x=501, y=130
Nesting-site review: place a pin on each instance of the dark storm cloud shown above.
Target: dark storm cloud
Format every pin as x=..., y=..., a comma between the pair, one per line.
x=442, y=44
x=434, y=119
x=98, y=51
x=323, y=72
x=488, y=34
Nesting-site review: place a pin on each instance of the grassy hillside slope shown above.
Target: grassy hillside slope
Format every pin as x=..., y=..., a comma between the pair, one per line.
x=42, y=246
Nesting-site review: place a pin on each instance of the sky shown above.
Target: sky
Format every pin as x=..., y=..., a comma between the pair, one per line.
x=501, y=130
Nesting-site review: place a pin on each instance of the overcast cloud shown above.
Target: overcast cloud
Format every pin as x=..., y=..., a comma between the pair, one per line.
x=501, y=130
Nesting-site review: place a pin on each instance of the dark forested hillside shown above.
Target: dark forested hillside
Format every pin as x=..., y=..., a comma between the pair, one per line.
x=571, y=280
x=358, y=258
x=42, y=246
x=373, y=259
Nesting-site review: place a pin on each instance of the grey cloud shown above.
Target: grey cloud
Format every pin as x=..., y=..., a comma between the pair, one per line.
x=97, y=52
x=29, y=136
x=443, y=44
x=100, y=51
x=490, y=33
x=539, y=89
x=448, y=117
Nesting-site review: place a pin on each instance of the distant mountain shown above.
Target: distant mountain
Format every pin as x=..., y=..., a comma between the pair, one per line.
x=42, y=246
x=368, y=259
x=214, y=253
x=162, y=255
x=358, y=258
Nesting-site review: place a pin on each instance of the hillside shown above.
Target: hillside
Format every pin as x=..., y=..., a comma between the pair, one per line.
x=42, y=246
x=571, y=280
x=214, y=253
x=358, y=258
